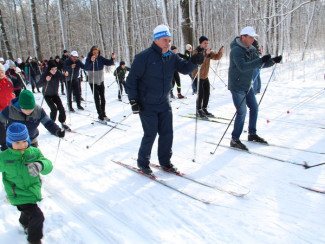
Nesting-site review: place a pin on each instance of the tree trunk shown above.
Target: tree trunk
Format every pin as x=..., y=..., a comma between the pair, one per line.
x=47, y=24
x=125, y=28
x=28, y=45
x=187, y=26
x=63, y=32
x=20, y=45
x=37, y=46
x=5, y=39
x=101, y=33
x=307, y=30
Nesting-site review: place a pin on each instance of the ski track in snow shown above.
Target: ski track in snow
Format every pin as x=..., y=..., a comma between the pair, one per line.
x=89, y=199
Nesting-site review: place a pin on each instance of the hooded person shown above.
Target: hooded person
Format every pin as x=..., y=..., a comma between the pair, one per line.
x=6, y=95
x=95, y=66
x=21, y=179
x=15, y=77
x=23, y=109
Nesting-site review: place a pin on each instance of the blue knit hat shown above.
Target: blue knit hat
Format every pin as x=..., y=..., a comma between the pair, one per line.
x=17, y=132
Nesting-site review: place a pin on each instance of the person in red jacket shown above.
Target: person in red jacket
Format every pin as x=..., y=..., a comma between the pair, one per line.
x=6, y=94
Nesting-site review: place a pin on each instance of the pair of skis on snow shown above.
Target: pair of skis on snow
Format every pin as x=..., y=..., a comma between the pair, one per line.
x=237, y=193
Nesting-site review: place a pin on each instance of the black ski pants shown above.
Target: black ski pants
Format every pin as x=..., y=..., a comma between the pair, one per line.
x=32, y=219
x=176, y=80
x=99, y=96
x=204, y=94
x=55, y=104
x=73, y=86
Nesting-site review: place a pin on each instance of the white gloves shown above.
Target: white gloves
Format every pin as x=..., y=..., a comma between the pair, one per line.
x=18, y=70
x=34, y=168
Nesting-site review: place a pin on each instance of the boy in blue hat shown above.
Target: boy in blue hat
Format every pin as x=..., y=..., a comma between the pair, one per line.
x=20, y=165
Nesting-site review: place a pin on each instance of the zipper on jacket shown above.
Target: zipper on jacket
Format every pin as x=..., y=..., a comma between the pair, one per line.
x=14, y=190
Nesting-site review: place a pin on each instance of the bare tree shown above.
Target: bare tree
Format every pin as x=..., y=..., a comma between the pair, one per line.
x=187, y=26
x=5, y=38
x=63, y=32
x=310, y=16
x=37, y=46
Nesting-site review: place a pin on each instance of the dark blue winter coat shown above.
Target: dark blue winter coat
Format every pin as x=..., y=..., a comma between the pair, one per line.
x=97, y=67
x=13, y=113
x=67, y=67
x=50, y=88
x=243, y=61
x=149, y=80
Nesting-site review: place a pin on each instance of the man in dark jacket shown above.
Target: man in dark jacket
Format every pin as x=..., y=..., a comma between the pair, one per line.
x=73, y=66
x=25, y=111
x=32, y=72
x=148, y=85
x=119, y=74
x=50, y=81
x=243, y=60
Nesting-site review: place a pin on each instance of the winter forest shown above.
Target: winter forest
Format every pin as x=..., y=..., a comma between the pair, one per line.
x=43, y=28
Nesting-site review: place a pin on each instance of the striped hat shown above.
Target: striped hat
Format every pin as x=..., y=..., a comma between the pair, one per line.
x=161, y=31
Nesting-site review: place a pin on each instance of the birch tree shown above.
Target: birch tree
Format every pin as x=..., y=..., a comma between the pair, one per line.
x=5, y=38
x=187, y=26
x=63, y=32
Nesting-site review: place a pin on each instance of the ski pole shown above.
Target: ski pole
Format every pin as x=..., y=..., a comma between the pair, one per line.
x=86, y=101
x=19, y=74
x=236, y=111
x=57, y=150
x=110, y=84
x=267, y=85
x=307, y=166
x=47, y=84
x=219, y=76
x=67, y=88
x=120, y=122
x=196, y=115
x=186, y=92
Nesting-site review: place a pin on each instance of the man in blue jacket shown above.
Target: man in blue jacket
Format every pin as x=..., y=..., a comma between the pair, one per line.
x=148, y=85
x=243, y=60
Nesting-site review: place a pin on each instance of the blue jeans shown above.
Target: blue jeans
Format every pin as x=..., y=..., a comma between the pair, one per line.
x=156, y=119
x=257, y=82
x=250, y=101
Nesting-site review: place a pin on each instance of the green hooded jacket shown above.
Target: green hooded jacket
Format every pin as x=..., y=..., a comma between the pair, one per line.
x=20, y=186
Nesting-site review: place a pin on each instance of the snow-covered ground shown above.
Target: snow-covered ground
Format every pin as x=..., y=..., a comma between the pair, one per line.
x=90, y=199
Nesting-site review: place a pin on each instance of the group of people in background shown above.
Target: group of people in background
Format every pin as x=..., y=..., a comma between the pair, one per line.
x=149, y=86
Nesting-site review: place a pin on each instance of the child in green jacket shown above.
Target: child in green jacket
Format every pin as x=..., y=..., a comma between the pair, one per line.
x=20, y=165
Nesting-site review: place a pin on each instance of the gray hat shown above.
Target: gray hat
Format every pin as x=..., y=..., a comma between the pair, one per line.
x=11, y=63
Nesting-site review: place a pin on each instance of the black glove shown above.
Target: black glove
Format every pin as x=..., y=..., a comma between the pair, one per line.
x=197, y=58
x=60, y=133
x=266, y=58
x=277, y=59
x=135, y=106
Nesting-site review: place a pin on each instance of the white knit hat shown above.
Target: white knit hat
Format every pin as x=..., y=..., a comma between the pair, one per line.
x=1, y=59
x=161, y=31
x=188, y=47
x=2, y=68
